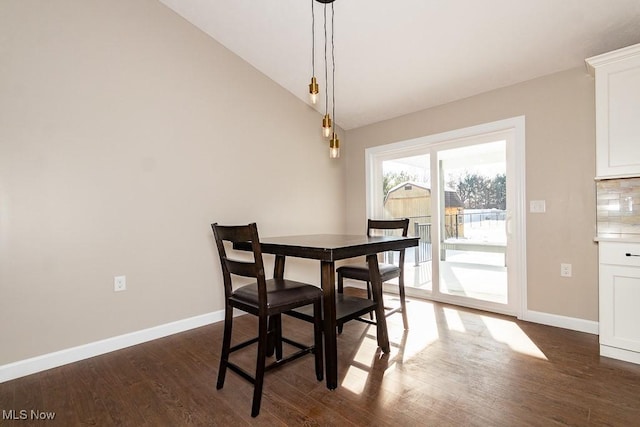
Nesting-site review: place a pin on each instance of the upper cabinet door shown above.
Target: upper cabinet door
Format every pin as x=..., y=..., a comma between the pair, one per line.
x=617, y=76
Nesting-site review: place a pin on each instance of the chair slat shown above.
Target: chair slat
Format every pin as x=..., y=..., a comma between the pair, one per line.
x=242, y=268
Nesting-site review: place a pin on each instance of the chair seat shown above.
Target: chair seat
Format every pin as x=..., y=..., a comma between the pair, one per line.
x=361, y=271
x=281, y=293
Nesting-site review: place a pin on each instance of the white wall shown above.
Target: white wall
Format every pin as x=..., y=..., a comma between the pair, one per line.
x=124, y=132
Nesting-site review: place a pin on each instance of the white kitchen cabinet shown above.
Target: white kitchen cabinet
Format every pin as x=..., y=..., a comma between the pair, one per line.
x=620, y=300
x=617, y=79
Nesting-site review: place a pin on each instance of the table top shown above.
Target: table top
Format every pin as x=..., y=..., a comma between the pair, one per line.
x=333, y=247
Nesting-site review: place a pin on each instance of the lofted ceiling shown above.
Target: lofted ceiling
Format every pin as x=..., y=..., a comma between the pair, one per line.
x=398, y=57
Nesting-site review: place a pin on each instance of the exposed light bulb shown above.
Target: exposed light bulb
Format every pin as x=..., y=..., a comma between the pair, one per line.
x=313, y=90
x=334, y=146
x=326, y=125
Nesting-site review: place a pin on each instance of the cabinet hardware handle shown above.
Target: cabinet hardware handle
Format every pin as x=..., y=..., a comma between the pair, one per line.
x=630, y=254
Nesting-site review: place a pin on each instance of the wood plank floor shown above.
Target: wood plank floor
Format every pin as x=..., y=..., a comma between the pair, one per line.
x=454, y=367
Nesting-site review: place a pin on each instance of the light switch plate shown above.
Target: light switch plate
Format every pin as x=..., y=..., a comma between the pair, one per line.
x=537, y=206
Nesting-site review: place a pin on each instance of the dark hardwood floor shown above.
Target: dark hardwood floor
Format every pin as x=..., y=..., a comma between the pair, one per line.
x=454, y=367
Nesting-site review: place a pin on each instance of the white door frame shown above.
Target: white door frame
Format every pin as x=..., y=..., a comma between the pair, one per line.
x=516, y=209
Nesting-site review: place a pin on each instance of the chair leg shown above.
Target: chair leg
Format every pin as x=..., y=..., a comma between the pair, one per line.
x=277, y=334
x=226, y=345
x=403, y=304
x=317, y=335
x=340, y=290
x=260, y=365
x=369, y=297
x=271, y=342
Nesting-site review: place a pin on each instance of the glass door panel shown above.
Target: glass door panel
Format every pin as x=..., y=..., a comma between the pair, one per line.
x=406, y=187
x=473, y=214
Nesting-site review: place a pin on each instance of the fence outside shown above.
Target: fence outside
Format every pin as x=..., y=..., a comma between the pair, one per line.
x=455, y=224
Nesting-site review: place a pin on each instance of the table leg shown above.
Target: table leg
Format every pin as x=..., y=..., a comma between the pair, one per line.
x=278, y=267
x=376, y=287
x=327, y=278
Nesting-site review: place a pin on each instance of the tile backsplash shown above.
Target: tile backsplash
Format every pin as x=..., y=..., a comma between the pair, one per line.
x=618, y=207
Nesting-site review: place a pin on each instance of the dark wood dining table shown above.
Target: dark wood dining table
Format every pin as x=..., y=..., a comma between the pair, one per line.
x=329, y=248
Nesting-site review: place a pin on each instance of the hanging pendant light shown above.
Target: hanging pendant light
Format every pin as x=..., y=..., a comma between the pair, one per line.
x=328, y=125
x=326, y=120
x=334, y=146
x=313, y=90
x=334, y=142
x=313, y=86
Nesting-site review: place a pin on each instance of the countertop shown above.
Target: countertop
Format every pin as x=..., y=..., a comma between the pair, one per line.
x=624, y=239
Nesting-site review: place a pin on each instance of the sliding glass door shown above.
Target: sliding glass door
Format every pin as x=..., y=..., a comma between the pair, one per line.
x=461, y=193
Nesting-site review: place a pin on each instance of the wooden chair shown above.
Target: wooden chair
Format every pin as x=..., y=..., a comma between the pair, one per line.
x=264, y=299
x=387, y=271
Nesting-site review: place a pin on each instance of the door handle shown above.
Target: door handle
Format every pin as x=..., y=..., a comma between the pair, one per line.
x=630, y=254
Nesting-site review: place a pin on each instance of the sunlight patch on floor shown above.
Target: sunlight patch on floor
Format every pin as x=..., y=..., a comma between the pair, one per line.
x=423, y=332
x=367, y=348
x=454, y=322
x=426, y=321
x=509, y=333
x=355, y=379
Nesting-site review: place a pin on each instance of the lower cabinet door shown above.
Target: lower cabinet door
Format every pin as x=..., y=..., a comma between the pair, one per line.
x=620, y=307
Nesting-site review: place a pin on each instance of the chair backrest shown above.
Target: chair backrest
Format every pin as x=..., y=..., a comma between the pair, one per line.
x=389, y=224
x=254, y=269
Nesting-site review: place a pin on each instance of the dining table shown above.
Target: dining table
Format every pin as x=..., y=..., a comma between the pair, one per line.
x=329, y=248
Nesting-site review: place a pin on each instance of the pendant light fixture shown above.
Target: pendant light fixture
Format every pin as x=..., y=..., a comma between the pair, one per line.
x=334, y=142
x=334, y=146
x=328, y=125
x=313, y=86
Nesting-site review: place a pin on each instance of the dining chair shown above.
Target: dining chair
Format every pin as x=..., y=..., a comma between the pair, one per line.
x=388, y=271
x=264, y=298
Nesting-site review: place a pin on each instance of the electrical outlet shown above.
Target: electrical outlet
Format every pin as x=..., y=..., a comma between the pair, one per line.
x=119, y=283
x=565, y=270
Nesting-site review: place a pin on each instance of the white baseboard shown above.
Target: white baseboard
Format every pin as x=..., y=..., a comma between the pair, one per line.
x=575, y=324
x=619, y=353
x=30, y=366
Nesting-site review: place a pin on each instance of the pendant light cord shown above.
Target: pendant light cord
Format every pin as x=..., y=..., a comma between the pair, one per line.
x=313, y=40
x=333, y=75
x=326, y=75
